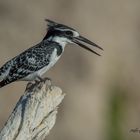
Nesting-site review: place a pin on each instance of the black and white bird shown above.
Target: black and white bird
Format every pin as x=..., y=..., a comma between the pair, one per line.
x=35, y=61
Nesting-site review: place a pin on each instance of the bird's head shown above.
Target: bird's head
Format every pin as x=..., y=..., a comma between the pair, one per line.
x=63, y=35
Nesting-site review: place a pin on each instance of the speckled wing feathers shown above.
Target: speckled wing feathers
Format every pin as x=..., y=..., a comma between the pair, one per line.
x=27, y=62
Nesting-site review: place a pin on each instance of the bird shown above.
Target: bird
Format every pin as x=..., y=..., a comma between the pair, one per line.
x=31, y=64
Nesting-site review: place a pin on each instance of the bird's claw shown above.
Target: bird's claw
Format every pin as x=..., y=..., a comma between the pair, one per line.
x=45, y=80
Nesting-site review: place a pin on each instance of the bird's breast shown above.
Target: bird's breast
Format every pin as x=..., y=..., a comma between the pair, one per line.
x=53, y=59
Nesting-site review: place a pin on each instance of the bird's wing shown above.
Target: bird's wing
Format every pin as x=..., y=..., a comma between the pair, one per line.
x=27, y=62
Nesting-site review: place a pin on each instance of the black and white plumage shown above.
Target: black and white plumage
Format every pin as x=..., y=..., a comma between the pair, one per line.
x=35, y=61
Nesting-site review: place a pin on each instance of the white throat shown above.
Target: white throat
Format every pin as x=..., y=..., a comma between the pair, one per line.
x=61, y=40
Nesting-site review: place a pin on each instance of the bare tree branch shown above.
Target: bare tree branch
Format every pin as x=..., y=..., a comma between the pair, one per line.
x=35, y=113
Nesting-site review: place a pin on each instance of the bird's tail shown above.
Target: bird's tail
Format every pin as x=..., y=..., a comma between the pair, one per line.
x=3, y=83
x=4, y=70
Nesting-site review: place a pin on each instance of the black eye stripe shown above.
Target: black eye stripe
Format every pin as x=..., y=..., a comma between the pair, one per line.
x=57, y=32
x=69, y=33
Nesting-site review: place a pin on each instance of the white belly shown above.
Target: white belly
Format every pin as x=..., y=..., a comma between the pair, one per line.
x=54, y=58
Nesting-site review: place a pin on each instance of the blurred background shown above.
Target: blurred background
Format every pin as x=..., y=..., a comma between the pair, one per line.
x=102, y=99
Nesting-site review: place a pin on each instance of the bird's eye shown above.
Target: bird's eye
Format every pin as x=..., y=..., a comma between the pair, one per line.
x=70, y=33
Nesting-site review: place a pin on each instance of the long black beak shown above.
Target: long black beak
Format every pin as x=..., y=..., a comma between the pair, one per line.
x=79, y=41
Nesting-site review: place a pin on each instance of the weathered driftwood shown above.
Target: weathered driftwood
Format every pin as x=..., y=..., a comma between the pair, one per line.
x=35, y=113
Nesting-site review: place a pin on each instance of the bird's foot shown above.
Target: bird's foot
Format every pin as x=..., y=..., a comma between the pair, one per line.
x=30, y=85
x=39, y=82
x=46, y=80
x=40, y=79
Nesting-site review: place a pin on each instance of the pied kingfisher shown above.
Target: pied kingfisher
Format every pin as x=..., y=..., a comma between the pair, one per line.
x=35, y=61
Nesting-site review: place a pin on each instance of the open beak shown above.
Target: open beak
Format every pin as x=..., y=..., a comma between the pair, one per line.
x=79, y=41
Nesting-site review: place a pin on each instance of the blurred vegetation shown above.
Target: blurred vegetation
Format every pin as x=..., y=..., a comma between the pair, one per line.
x=116, y=106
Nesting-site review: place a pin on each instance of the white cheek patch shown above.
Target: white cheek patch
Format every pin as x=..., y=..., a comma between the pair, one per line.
x=61, y=40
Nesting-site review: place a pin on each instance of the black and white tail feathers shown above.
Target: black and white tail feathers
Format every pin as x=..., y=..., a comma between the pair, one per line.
x=3, y=83
x=2, y=76
x=3, y=73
